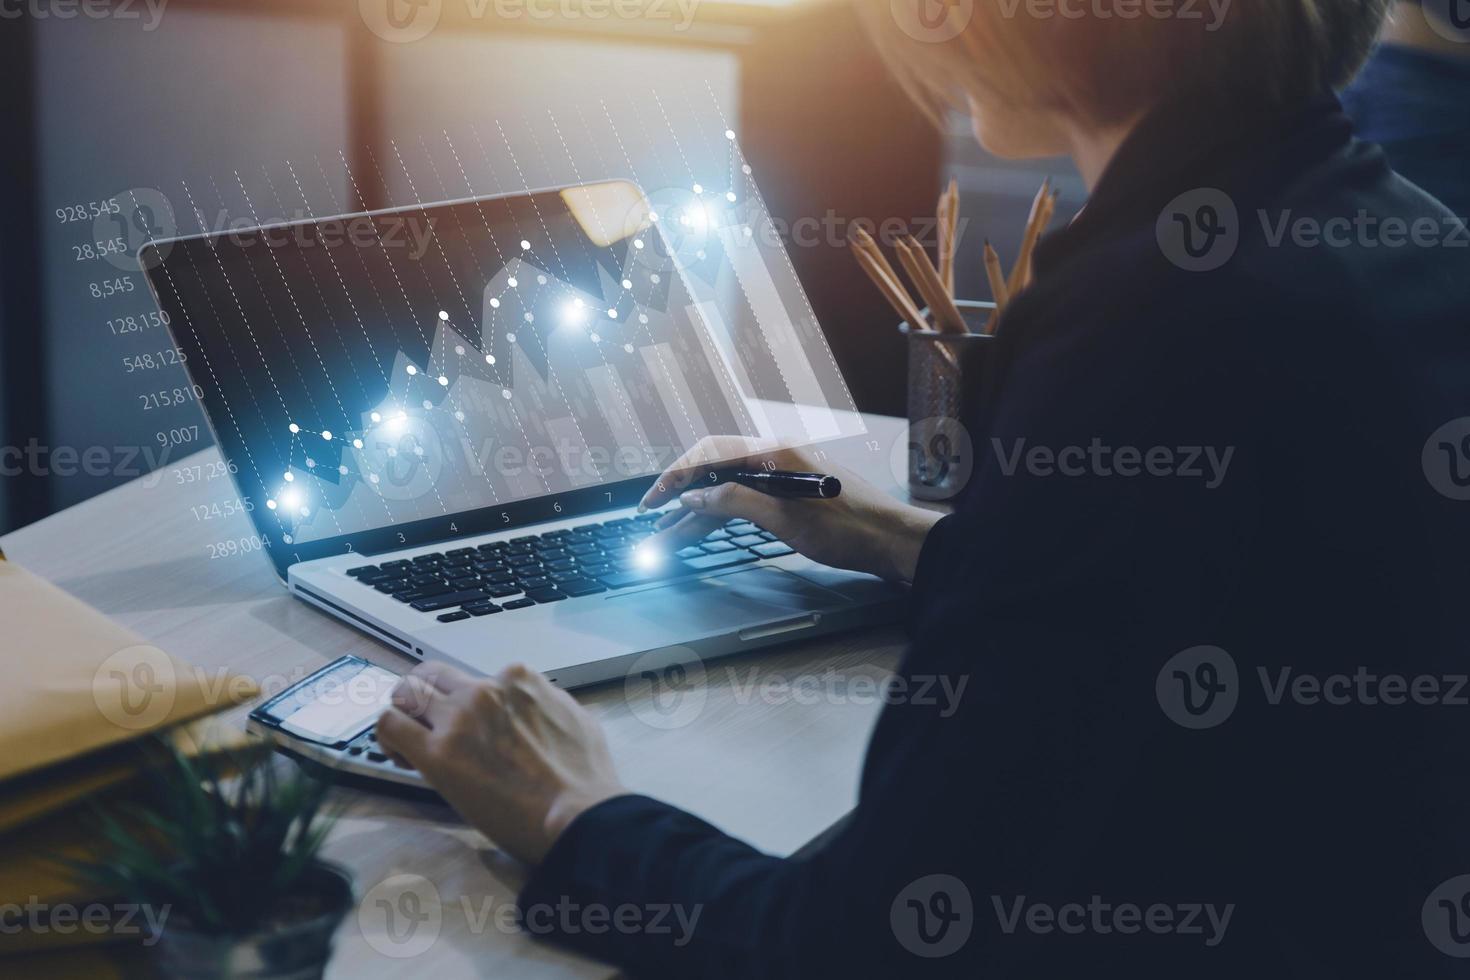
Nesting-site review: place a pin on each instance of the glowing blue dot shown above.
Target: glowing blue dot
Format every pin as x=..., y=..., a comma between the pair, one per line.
x=443, y=381
x=525, y=245
x=294, y=428
x=327, y=435
x=412, y=369
x=444, y=314
x=729, y=134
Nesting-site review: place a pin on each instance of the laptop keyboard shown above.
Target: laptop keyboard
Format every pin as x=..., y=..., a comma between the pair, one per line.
x=465, y=583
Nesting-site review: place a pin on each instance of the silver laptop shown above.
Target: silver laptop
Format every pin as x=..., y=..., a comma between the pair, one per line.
x=441, y=418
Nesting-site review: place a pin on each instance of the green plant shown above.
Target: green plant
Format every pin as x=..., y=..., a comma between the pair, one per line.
x=223, y=842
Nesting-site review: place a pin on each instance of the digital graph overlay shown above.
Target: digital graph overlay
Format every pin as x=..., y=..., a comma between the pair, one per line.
x=381, y=369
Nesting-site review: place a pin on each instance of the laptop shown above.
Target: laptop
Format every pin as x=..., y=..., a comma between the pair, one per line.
x=440, y=419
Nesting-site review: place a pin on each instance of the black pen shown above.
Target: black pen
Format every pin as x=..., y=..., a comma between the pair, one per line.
x=780, y=483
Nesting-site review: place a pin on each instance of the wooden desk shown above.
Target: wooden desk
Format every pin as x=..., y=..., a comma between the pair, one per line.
x=771, y=764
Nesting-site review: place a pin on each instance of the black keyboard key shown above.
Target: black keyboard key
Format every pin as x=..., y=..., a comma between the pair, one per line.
x=545, y=595
x=619, y=522
x=519, y=604
x=608, y=532
x=448, y=599
x=427, y=592
x=491, y=547
x=579, y=537
x=649, y=517
x=620, y=554
x=552, y=554
x=596, y=569
x=419, y=581
x=401, y=563
x=455, y=563
x=583, y=549
x=747, y=540
x=449, y=617
x=561, y=564
x=362, y=570
x=534, y=582
x=773, y=549
x=521, y=561
x=720, y=561
x=460, y=553
x=482, y=609
x=434, y=558
x=390, y=587
x=523, y=539
x=505, y=576
x=464, y=584
x=553, y=535
x=501, y=591
x=379, y=756
x=567, y=575
x=583, y=586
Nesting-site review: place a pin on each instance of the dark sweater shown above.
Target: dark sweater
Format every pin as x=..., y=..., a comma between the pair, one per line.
x=1311, y=836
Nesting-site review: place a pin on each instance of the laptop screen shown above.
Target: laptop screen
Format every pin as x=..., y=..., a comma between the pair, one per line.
x=388, y=379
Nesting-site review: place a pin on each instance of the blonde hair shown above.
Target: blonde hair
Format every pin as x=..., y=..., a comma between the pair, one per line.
x=1085, y=57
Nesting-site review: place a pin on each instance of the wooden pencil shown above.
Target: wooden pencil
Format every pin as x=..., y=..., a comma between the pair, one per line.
x=947, y=316
x=998, y=288
x=897, y=297
x=1028, y=240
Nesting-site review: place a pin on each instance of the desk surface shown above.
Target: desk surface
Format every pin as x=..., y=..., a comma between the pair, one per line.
x=772, y=757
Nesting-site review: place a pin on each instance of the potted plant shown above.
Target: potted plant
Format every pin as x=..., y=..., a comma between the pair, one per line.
x=225, y=851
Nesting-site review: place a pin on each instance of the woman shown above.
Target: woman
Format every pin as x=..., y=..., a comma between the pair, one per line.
x=1185, y=746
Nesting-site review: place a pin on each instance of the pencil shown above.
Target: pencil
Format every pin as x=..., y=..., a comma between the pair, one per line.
x=926, y=278
x=1028, y=240
x=1048, y=210
x=902, y=304
x=997, y=286
x=947, y=217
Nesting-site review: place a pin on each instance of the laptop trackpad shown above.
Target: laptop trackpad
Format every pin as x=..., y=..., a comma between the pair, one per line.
x=730, y=601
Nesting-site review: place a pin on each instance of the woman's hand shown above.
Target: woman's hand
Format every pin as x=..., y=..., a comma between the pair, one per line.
x=514, y=755
x=863, y=529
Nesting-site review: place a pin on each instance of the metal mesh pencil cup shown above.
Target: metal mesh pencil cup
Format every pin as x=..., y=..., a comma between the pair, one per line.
x=943, y=381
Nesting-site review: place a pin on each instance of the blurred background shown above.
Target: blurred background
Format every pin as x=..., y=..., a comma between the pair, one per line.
x=122, y=95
